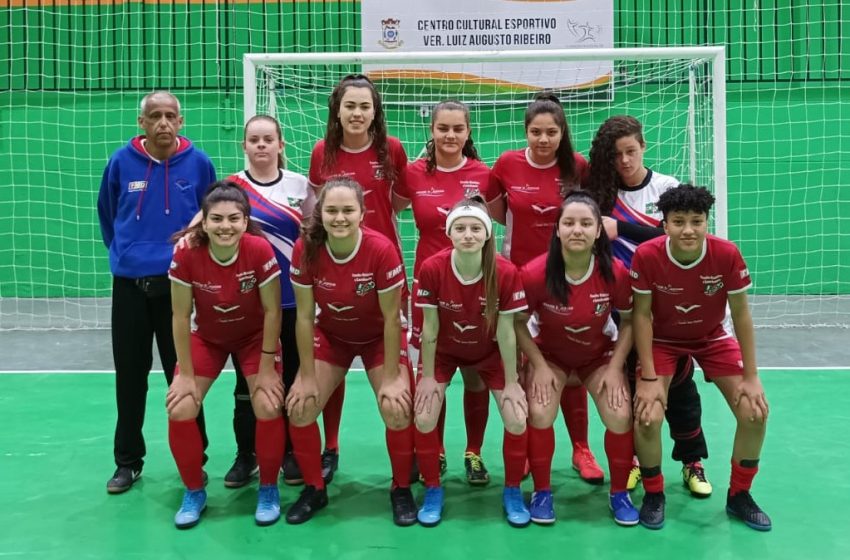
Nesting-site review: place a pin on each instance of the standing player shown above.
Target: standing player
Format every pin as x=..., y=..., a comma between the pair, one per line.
x=572, y=291
x=450, y=172
x=354, y=276
x=151, y=188
x=357, y=146
x=230, y=281
x=682, y=283
x=525, y=192
x=278, y=200
x=628, y=192
x=469, y=297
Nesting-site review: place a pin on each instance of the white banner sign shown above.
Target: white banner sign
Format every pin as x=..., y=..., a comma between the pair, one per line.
x=476, y=25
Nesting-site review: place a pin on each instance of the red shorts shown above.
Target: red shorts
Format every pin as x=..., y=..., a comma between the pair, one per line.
x=491, y=370
x=209, y=359
x=581, y=369
x=717, y=358
x=341, y=353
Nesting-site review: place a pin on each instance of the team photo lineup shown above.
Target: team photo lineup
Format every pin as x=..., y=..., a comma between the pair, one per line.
x=606, y=287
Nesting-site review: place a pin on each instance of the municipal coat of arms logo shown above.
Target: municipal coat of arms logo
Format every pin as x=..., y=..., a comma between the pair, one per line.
x=390, y=34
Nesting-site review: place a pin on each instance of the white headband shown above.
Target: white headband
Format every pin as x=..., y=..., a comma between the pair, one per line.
x=469, y=211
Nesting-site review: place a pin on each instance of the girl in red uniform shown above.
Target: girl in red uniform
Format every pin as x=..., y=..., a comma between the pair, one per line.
x=450, y=172
x=356, y=145
x=354, y=276
x=571, y=292
x=469, y=297
x=230, y=279
x=525, y=192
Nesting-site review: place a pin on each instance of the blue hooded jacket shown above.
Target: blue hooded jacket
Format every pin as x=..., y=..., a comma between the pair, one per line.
x=143, y=202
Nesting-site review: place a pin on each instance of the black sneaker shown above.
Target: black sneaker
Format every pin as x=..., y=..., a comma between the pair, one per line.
x=476, y=472
x=291, y=471
x=122, y=480
x=404, y=506
x=652, y=510
x=742, y=506
x=308, y=503
x=330, y=463
x=243, y=469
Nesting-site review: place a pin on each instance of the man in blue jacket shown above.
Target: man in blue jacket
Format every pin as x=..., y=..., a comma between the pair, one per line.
x=151, y=188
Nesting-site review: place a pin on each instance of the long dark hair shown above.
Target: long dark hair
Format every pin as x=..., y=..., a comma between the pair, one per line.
x=468, y=147
x=313, y=231
x=556, y=281
x=280, y=163
x=220, y=191
x=547, y=102
x=377, y=130
x=603, y=181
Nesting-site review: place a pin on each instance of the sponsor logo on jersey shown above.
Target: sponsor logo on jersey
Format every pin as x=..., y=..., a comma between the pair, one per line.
x=294, y=202
x=558, y=309
x=668, y=289
x=378, y=172
x=270, y=264
x=576, y=330
x=651, y=208
x=173, y=265
x=224, y=308
x=247, y=285
x=633, y=273
x=431, y=192
x=519, y=295
x=136, y=186
x=463, y=326
x=744, y=273
x=325, y=284
x=363, y=288
x=207, y=287
x=525, y=188
x=295, y=271
x=711, y=284
x=423, y=293
x=601, y=308
x=470, y=188
x=395, y=272
x=339, y=307
x=451, y=306
x=687, y=308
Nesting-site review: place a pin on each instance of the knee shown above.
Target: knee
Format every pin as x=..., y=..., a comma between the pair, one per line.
x=263, y=407
x=186, y=409
x=540, y=416
x=747, y=418
x=427, y=422
x=392, y=419
x=304, y=417
x=515, y=421
x=619, y=420
x=653, y=426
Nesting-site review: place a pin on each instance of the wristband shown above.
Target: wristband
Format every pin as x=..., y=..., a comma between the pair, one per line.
x=275, y=352
x=648, y=379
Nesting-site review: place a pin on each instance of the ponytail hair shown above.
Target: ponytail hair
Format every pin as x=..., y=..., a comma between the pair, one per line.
x=313, y=232
x=220, y=191
x=468, y=149
x=546, y=102
x=556, y=278
x=280, y=162
x=488, y=265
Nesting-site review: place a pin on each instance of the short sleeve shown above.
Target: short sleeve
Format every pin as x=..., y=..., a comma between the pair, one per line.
x=429, y=279
x=180, y=269
x=297, y=272
x=265, y=259
x=739, y=277
x=495, y=187
x=390, y=270
x=637, y=275
x=622, y=296
x=511, y=292
x=315, y=174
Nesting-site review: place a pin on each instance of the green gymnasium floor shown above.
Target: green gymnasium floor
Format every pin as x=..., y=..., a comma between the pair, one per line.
x=55, y=457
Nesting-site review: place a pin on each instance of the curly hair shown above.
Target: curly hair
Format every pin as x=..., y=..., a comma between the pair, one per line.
x=313, y=232
x=468, y=149
x=547, y=102
x=556, y=282
x=377, y=130
x=603, y=181
x=686, y=198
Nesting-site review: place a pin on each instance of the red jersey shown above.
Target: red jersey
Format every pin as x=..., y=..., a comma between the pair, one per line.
x=228, y=309
x=533, y=197
x=689, y=301
x=364, y=167
x=582, y=328
x=433, y=195
x=460, y=305
x=346, y=290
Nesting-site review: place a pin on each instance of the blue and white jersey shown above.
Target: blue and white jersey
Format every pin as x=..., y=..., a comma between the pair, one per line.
x=277, y=206
x=639, y=205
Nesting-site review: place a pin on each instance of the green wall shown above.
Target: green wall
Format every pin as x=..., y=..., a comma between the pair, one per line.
x=71, y=78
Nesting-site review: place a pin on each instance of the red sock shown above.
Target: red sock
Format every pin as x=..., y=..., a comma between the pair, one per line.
x=400, y=448
x=653, y=483
x=742, y=478
x=184, y=438
x=270, y=440
x=541, y=448
x=476, y=411
x=574, y=408
x=514, y=454
x=428, y=456
x=441, y=428
x=307, y=446
x=620, y=449
x=331, y=416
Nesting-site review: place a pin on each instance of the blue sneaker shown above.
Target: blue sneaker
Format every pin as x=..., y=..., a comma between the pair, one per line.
x=515, y=510
x=624, y=511
x=432, y=507
x=268, y=505
x=194, y=503
x=542, y=508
